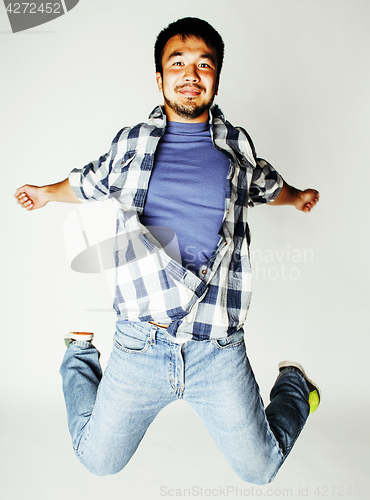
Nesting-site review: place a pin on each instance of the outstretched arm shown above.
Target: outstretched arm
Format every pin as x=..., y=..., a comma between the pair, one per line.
x=32, y=197
x=302, y=200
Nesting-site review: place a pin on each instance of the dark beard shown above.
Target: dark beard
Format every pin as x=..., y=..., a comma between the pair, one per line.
x=189, y=110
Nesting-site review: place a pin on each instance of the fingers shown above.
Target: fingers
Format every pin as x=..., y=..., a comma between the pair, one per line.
x=315, y=197
x=23, y=199
x=310, y=205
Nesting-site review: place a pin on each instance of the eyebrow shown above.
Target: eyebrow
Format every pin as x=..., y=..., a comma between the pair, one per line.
x=177, y=53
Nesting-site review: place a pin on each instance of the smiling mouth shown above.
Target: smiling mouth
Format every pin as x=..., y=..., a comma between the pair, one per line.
x=189, y=91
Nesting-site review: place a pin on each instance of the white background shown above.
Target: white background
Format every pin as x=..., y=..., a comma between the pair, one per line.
x=297, y=77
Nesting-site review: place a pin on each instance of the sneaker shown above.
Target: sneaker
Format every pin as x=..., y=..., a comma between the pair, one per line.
x=79, y=336
x=315, y=394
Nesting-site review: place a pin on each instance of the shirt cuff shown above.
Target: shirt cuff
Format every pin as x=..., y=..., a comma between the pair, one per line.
x=75, y=181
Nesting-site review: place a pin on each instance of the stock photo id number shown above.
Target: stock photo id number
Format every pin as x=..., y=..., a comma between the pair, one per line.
x=25, y=15
x=252, y=491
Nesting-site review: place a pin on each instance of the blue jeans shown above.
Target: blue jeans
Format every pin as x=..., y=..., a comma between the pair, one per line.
x=109, y=415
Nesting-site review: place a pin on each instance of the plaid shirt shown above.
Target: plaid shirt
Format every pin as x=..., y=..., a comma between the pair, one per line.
x=150, y=286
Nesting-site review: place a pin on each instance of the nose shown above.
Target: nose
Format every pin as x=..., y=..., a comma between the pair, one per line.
x=191, y=74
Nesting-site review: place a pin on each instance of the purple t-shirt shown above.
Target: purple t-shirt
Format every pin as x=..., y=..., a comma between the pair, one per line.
x=187, y=190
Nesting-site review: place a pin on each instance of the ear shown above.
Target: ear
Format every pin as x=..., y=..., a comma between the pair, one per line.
x=158, y=77
x=217, y=85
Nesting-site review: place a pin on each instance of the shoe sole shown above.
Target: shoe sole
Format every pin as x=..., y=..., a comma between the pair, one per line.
x=78, y=336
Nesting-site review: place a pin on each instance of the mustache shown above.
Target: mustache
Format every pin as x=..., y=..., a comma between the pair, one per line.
x=187, y=85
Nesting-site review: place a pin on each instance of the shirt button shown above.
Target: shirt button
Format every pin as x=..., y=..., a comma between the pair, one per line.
x=204, y=271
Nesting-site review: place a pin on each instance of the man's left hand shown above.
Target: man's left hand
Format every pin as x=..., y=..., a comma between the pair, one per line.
x=306, y=200
x=302, y=200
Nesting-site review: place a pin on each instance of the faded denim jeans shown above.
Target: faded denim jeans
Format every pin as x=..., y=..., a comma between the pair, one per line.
x=109, y=415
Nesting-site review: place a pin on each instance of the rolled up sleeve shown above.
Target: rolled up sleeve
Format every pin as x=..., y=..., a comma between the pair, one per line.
x=91, y=183
x=266, y=184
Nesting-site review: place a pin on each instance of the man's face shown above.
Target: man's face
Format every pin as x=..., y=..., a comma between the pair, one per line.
x=189, y=82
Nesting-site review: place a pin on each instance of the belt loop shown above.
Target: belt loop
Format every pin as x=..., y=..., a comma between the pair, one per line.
x=153, y=332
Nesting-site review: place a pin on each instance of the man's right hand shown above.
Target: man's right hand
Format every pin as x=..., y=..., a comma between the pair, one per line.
x=32, y=197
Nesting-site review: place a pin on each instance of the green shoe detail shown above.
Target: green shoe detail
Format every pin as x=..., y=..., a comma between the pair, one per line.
x=314, y=395
x=68, y=342
x=313, y=400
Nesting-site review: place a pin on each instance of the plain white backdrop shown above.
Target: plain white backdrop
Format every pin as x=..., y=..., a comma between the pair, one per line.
x=297, y=77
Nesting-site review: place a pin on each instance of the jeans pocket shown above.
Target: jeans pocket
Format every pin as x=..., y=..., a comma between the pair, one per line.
x=131, y=341
x=234, y=340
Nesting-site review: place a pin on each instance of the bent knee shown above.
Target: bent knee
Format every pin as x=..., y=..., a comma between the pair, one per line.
x=259, y=473
x=100, y=467
x=260, y=479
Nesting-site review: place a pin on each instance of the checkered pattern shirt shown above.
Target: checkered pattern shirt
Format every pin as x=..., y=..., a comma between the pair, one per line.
x=151, y=286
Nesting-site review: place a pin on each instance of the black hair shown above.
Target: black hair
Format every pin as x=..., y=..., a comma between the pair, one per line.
x=189, y=27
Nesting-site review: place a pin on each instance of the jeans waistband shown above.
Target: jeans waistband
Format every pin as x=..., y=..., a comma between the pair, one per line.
x=154, y=331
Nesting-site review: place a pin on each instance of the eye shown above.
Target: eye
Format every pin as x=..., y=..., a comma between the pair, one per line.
x=178, y=63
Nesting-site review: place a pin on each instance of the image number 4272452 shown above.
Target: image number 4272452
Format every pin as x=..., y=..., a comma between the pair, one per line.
x=25, y=15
